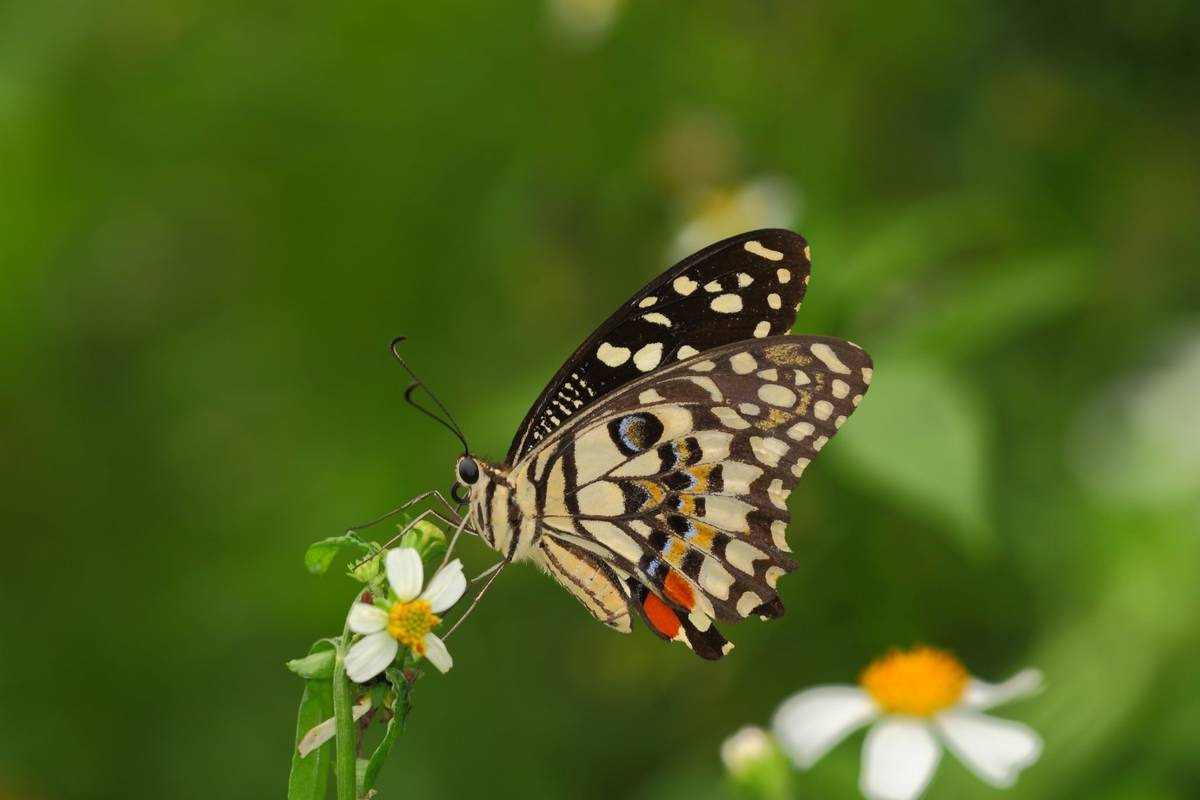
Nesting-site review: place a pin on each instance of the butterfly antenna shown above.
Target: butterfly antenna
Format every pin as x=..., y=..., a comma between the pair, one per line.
x=449, y=422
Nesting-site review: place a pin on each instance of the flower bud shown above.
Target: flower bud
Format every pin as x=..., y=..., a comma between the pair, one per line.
x=427, y=539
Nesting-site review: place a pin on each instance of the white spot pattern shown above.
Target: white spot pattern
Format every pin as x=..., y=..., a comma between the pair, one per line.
x=709, y=385
x=743, y=363
x=658, y=319
x=779, y=535
x=829, y=358
x=684, y=285
x=757, y=249
x=768, y=450
x=612, y=356
x=748, y=602
x=730, y=418
x=778, y=494
x=800, y=431
x=776, y=395
x=648, y=357
x=726, y=304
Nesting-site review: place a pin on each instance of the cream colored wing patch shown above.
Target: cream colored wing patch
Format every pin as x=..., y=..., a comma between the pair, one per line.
x=586, y=576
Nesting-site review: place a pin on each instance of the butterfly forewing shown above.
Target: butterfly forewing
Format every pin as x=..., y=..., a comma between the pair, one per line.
x=676, y=484
x=744, y=287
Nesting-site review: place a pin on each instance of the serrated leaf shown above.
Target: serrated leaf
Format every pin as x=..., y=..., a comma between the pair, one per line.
x=920, y=437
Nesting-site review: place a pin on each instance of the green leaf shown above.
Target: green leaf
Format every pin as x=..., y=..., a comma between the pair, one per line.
x=309, y=776
x=995, y=304
x=920, y=437
x=401, y=705
x=370, y=772
x=316, y=665
x=320, y=555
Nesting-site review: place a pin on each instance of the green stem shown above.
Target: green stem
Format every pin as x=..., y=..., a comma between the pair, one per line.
x=343, y=721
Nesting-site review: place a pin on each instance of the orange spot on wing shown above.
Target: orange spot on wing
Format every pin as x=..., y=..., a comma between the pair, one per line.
x=655, y=494
x=702, y=538
x=678, y=590
x=661, y=616
x=675, y=555
x=701, y=475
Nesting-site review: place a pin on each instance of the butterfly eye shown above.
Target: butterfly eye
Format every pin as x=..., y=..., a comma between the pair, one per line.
x=468, y=470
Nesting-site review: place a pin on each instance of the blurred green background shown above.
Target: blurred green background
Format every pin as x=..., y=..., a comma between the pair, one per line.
x=215, y=215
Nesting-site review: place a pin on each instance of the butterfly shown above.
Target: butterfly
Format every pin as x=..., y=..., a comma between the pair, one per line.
x=651, y=476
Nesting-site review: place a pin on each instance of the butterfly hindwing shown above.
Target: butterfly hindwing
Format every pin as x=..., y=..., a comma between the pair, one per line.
x=678, y=481
x=590, y=579
x=745, y=287
x=674, y=624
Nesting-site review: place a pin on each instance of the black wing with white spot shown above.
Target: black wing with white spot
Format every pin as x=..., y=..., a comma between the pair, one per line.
x=669, y=498
x=745, y=287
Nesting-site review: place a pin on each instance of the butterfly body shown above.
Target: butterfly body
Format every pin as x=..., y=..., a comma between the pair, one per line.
x=651, y=477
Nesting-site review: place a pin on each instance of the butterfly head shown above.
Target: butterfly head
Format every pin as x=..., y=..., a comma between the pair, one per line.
x=467, y=471
x=484, y=487
x=471, y=479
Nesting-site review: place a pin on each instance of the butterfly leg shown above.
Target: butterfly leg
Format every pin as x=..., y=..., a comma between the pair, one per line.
x=459, y=528
x=457, y=524
x=451, y=511
x=487, y=571
x=495, y=570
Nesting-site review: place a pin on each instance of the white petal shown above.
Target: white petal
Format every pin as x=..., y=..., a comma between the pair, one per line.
x=405, y=572
x=808, y=724
x=981, y=695
x=899, y=758
x=366, y=618
x=994, y=749
x=446, y=588
x=320, y=734
x=370, y=656
x=436, y=652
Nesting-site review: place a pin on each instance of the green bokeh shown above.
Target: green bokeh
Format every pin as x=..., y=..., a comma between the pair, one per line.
x=215, y=215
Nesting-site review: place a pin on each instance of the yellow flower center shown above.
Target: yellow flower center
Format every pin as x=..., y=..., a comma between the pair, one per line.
x=409, y=622
x=920, y=681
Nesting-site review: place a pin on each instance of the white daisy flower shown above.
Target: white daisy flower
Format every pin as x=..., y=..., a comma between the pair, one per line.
x=917, y=701
x=409, y=620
